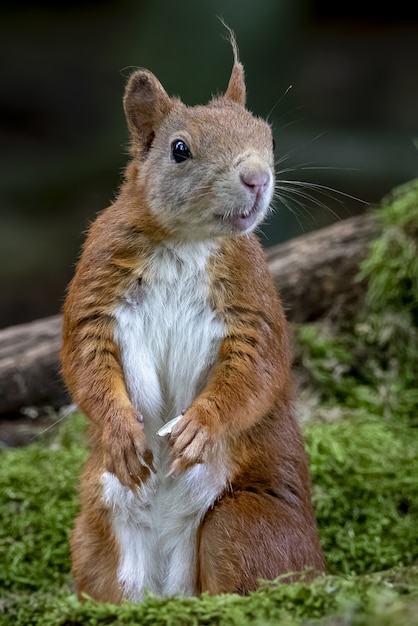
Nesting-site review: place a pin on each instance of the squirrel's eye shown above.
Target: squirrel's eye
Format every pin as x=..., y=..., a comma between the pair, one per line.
x=274, y=145
x=180, y=151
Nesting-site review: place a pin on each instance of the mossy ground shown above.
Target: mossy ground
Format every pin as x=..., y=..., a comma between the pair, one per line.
x=362, y=442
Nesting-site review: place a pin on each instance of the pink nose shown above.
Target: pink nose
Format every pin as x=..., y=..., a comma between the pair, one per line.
x=255, y=180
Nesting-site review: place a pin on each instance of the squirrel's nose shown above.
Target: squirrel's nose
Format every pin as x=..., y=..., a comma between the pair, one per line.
x=255, y=180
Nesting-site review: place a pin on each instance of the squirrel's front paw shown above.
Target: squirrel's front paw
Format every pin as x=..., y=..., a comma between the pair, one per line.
x=126, y=454
x=190, y=442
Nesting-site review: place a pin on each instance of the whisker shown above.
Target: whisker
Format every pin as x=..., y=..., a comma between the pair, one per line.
x=306, y=196
x=312, y=168
x=278, y=101
x=48, y=428
x=305, y=207
x=291, y=123
x=324, y=188
x=291, y=169
x=291, y=152
x=290, y=208
x=330, y=167
x=308, y=187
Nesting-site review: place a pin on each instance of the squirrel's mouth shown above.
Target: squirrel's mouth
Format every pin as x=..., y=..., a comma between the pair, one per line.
x=240, y=221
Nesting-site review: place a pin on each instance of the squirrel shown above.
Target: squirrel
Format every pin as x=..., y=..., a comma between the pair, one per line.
x=176, y=348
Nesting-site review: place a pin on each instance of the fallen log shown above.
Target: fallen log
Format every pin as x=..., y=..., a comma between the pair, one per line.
x=29, y=365
x=313, y=274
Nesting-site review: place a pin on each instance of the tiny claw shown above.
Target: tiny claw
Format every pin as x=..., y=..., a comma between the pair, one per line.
x=135, y=483
x=172, y=473
x=179, y=467
x=148, y=460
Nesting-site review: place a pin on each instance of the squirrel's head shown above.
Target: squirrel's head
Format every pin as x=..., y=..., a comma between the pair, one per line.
x=206, y=171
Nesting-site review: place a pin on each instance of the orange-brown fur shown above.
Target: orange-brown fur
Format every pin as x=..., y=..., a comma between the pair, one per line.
x=262, y=525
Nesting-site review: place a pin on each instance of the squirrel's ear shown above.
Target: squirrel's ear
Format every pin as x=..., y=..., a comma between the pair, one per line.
x=236, y=90
x=146, y=104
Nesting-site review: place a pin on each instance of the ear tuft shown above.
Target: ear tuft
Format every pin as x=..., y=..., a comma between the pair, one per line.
x=236, y=90
x=146, y=104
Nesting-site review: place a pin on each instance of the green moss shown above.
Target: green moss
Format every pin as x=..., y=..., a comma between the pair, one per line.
x=38, y=502
x=365, y=475
x=364, y=469
x=371, y=366
x=391, y=597
x=392, y=265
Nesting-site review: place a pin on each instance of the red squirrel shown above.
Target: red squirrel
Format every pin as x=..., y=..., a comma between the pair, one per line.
x=175, y=347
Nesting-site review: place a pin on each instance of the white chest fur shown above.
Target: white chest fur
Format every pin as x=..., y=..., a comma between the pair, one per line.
x=169, y=339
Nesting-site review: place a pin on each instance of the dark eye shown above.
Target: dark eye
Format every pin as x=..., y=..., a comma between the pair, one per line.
x=180, y=151
x=274, y=145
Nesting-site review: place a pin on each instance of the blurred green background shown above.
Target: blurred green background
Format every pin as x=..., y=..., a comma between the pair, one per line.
x=349, y=121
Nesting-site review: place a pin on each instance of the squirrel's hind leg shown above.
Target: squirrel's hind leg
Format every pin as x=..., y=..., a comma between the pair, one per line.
x=251, y=535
